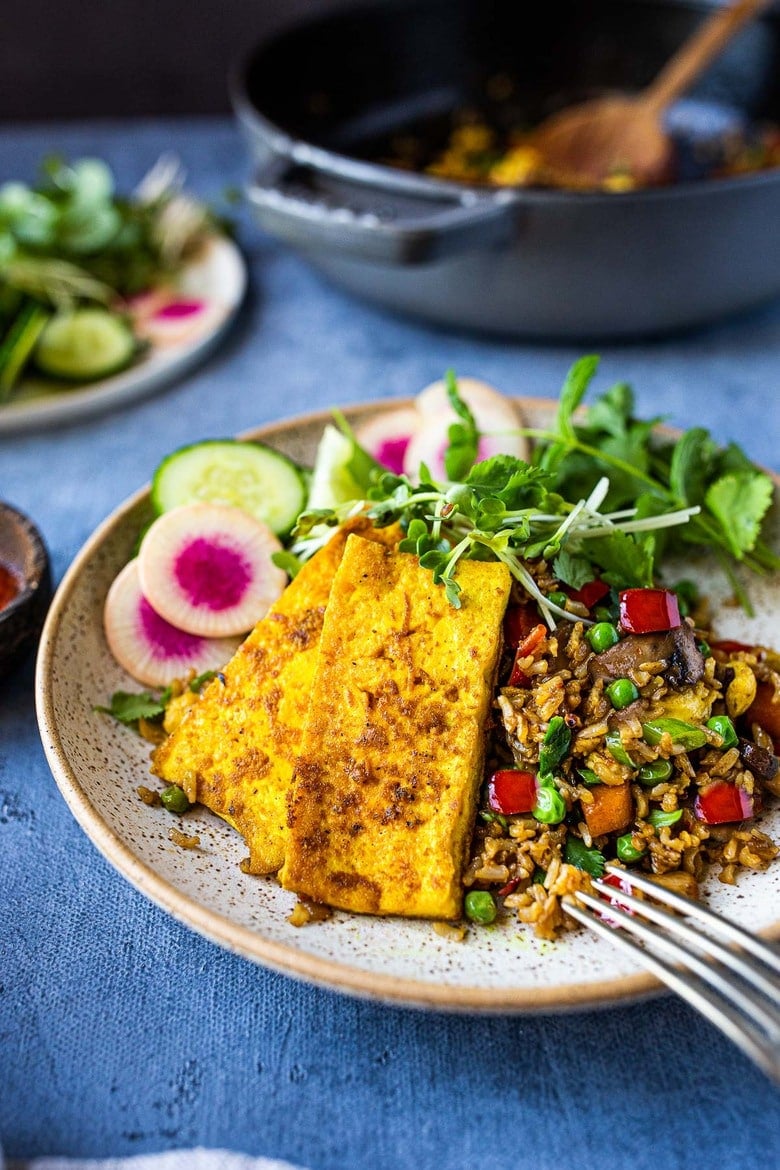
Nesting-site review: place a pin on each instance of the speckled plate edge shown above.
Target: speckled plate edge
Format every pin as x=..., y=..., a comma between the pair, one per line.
x=239, y=939
x=221, y=273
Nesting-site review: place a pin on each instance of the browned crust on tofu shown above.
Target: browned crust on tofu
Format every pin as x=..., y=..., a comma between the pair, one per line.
x=384, y=796
x=236, y=748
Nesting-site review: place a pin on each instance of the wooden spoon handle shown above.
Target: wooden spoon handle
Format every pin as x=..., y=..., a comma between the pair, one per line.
x=697, y=53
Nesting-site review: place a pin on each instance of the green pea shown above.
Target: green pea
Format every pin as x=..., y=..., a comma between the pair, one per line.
x=659, y=818
x=602, y=636
x=621, y=693
x=175, y=799
x=617, y=751
x=480, y=906
x=550, y=807
x=686, y=734
x=725, y=729
x=654, y=772
x=626, y=851
x=604, y=614
x=558, y=599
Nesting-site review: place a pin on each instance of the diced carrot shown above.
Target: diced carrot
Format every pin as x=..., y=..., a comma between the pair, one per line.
x=611, y=810
x=764, y=712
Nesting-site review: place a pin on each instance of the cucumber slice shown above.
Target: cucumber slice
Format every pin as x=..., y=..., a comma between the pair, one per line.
x=84, y=344
x=246, y=475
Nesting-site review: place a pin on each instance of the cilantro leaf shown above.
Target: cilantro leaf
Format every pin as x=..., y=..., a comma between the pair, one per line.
x=577, y=853
x=692, y=463
x=625, y=562
x=574, y=571
x=128, y=708
x=555, y=745
x=739, y=501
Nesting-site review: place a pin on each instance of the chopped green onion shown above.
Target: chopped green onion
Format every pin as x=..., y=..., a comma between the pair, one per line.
x=654, y=772
x=685, y=734
x=659, y=818
x=588, y=776
x=617, y=751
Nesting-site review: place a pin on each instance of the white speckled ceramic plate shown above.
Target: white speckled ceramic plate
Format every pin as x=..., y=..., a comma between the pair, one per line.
x=98, y=765
x=218, y=276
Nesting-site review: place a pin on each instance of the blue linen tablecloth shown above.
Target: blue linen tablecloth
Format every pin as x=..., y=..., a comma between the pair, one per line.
x=122, y=1032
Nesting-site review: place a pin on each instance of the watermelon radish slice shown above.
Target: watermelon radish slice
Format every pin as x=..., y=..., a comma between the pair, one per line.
x=150, y=649
x=496, y=416
x=387, y=438
x=174, y=319
x=207, y=569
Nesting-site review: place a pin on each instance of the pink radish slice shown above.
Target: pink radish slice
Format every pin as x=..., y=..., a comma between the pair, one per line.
x=387, y=437
x=148, y=647
x=207, y=569
x=497, y=417
x=176, y=320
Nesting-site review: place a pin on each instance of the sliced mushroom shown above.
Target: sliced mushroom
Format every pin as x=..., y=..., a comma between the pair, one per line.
x=760, y=762
x=677, y=649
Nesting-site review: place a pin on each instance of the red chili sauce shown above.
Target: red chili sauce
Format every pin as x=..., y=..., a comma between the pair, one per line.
x=9, y=586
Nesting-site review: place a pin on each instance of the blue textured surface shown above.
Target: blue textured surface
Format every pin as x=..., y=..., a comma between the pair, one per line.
x=122, y=1032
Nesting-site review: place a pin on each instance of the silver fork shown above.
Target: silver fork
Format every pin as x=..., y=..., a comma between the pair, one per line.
x=733, y=978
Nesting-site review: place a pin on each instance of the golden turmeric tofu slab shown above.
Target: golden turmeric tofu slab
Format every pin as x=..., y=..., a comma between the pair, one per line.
x=236, y=747
x=384, y=795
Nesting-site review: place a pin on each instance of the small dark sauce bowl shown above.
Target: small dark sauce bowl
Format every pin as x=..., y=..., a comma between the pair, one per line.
x=23, y=552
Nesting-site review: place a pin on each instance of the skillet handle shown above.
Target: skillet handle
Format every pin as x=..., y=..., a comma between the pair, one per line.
x=317, y=211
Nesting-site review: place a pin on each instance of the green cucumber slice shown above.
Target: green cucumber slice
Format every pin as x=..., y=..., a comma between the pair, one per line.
x=81, y=345
x=247, y=475
x=18, y=344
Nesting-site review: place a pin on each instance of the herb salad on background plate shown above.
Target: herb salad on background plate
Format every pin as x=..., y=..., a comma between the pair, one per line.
x=532, y=523
x=105, y=297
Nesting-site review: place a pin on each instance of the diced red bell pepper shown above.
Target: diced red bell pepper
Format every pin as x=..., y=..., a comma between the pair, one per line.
x=645, y=611
x=591, y=593
x=730, y=647
x=722, y=803
x=519, y=620
x=510, y=791
x=518, y=677
x=624, y=885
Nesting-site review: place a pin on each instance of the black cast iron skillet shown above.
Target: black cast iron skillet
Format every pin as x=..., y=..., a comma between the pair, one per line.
x=324, y=101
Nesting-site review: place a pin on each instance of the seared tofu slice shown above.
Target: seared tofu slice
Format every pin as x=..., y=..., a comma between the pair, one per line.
x=385, y=791
x=235, y=749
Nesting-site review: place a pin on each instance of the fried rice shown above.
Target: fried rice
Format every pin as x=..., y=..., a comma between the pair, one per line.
x=524, y=863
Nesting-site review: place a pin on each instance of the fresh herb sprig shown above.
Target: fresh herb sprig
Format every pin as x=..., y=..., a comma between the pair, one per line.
x=730, y=495
x=600, y=498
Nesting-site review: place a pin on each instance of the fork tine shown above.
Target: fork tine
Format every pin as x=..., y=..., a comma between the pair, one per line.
x=689, y=987
x=744, y=966
x=716, y=977
x=762, y=950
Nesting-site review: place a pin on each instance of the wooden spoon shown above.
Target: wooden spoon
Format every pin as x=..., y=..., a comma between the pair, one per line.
x=582, y=146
